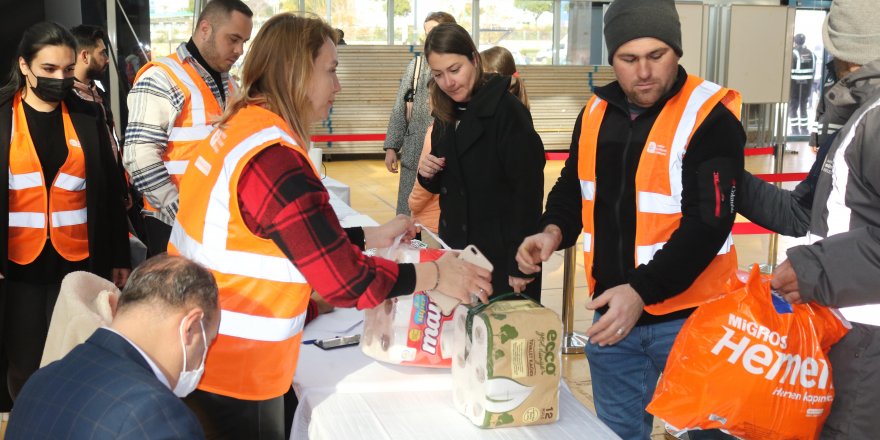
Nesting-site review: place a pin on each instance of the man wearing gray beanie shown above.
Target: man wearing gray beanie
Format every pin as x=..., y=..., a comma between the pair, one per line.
x=840, y=214
x=628, y=172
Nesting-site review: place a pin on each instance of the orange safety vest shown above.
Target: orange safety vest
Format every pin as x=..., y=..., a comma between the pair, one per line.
x=263, y=296
x=194, y=123
x=658, y=186
x=30, y=204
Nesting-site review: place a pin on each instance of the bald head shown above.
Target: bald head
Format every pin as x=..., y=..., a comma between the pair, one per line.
x=170, y=282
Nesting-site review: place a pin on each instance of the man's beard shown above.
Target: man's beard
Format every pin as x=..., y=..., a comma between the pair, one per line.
x=93, y=72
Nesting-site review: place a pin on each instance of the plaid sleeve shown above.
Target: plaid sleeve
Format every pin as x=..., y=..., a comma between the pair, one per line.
x=282, y=199
x=154, y=103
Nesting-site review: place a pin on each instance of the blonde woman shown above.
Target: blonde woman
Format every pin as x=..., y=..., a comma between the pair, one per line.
x=254, y=212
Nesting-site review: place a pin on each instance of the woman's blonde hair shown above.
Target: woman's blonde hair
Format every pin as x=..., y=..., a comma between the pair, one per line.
x=277, y=69
x=499, y=60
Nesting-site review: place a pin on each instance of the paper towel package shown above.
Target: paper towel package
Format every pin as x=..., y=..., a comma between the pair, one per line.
x=409, y=330
x=507, y=363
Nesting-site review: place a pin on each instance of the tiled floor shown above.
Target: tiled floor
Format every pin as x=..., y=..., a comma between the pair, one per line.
x=374, y=192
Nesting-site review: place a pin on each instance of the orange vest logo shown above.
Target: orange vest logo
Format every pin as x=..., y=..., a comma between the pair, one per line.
x=654, y=148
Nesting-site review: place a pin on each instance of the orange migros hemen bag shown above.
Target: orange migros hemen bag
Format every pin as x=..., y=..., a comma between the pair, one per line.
x=751, y=364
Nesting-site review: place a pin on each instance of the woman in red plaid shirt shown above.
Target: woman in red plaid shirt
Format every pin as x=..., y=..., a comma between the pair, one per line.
x=254, y=211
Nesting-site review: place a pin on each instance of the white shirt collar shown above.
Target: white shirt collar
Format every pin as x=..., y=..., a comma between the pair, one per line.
x=153, y=366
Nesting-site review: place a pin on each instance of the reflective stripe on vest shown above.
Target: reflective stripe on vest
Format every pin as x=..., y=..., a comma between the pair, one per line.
x=31, y=205
x=234, y=262
x=259, y=328
x=799, y=72
x=263, y=296
x=176, y=167
x=193, y=124
x=659, y=185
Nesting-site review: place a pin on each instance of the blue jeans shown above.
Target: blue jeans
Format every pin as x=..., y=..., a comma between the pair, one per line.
x=625, y=374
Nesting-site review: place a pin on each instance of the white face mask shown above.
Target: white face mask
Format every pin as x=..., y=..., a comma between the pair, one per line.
x=188, y=380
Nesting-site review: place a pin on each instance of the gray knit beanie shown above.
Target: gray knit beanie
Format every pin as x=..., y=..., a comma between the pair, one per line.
x=852, y=31
x=627, y=20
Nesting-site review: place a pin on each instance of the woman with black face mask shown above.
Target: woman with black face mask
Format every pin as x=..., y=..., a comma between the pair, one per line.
x=63, y=209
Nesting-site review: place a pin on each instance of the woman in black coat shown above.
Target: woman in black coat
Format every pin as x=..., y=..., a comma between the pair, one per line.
x=36, y=101
x=486, y=160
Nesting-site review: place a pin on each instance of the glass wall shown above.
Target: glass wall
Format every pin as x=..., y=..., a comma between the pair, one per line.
x=409, y=18
x=528, y=28
x=171, y=23
x=524, y=27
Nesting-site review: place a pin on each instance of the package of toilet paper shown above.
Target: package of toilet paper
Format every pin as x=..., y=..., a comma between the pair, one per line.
x=507, y=365
x=409, y=330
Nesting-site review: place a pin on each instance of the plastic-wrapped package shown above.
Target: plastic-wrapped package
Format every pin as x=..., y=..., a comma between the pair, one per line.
x=507, y=363
x=408, y=330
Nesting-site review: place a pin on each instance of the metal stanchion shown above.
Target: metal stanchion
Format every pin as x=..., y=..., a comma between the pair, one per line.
x=572, y=342
x=779, y=137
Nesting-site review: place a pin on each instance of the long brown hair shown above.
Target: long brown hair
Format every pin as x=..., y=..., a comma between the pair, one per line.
x=33, y=40
x=450, y=38
x=499, y=60
x=440, y=17
x=278, y=67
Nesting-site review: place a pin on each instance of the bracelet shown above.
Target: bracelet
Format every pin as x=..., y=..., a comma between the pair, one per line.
x=437, y=283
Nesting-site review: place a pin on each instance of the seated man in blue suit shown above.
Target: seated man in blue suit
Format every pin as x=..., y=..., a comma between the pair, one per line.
x=125, y=381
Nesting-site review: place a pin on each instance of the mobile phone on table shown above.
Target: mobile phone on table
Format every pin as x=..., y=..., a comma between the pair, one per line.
x=338, y=342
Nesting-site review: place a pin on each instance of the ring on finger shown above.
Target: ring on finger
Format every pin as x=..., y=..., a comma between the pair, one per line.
x=620, y=332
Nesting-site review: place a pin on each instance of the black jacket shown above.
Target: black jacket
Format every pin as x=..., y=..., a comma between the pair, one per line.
x=492, y=188
x=107, y=225
x=717, y=146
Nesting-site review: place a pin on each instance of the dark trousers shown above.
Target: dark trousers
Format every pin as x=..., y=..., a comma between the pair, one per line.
x=290, y=403
x=29, y=310
x=797, y=107
x=227, y=418
x=157, y=235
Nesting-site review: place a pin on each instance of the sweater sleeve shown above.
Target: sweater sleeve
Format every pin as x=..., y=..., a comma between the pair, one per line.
x=397, y=122
x=711, y=168
x=842, y=270
x=564, y=201
x=282, y=199
x=522, y=158
x=433, y=185
x=420, y=197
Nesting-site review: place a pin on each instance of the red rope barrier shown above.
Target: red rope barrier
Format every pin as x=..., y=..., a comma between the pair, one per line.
x=760, y=151
x=560, y=155
x=348, y=137
x=746, y=228
x=782, y=177
x=556, y=155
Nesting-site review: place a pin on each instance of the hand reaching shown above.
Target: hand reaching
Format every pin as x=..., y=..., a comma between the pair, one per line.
x=460, y=279
x=383, y=236
x=537, y=248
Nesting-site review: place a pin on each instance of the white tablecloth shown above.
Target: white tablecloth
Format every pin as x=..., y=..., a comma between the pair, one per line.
x=337, y=188
x=348, y=217
x=343, y=394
